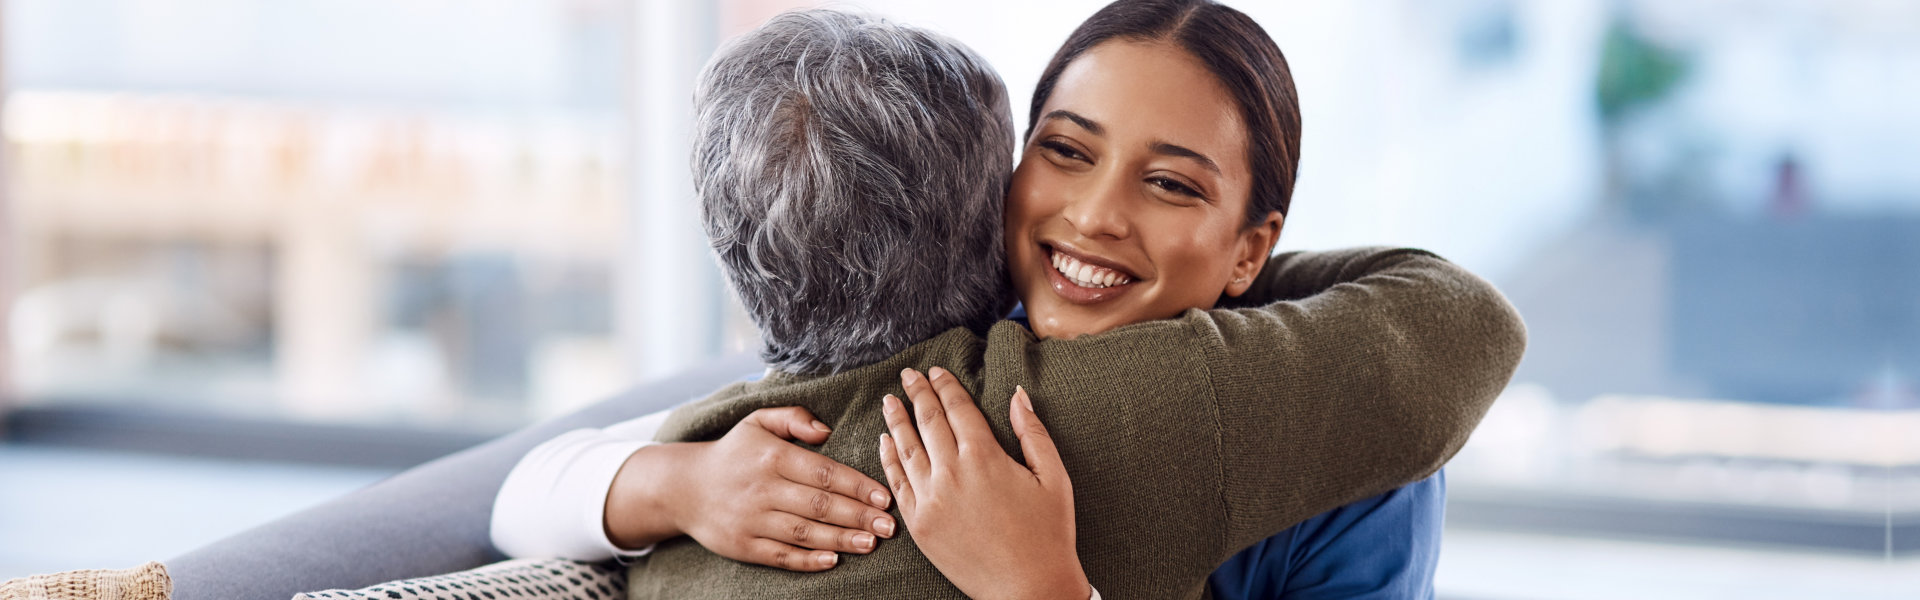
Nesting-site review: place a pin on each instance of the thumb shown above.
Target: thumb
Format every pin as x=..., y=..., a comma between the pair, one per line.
x=791, y=423
x=1042, y=457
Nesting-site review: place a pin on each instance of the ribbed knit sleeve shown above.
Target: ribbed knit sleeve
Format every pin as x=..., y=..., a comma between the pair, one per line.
x=1369, y=374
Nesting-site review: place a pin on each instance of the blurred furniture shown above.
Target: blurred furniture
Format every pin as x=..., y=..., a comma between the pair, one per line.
x=430, y=520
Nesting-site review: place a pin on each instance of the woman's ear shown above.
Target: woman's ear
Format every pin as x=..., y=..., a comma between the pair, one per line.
x=1256, y=244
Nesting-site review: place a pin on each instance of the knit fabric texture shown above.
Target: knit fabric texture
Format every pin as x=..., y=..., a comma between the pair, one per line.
x=145, y=582
x=1187, y=439
x=529, y=579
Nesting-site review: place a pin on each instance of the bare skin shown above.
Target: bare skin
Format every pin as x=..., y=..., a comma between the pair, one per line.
x=956, y=486
x=1139, y=165
x=751, y=496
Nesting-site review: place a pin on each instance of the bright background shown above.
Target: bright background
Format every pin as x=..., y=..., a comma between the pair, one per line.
x=449, y=218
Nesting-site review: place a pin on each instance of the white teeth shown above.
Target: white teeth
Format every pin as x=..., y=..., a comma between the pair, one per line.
x=1086, y=275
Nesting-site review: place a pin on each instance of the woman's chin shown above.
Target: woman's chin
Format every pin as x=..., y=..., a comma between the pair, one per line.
x=1053, y=325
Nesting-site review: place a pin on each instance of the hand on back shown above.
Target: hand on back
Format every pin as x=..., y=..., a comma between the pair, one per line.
x=752, y=496
x=995, y=528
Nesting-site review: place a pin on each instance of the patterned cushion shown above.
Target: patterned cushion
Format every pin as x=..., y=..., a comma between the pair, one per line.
x=145, y=582
x=535, y=579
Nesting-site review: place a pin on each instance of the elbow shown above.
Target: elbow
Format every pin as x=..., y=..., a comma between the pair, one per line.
x=1479, y=362
x=1487, y=338
x=1508, y=336
x=1479, y=380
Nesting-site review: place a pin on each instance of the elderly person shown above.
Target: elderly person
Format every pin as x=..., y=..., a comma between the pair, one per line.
x=851, y=173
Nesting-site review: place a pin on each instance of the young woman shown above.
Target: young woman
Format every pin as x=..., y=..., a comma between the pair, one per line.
x=1159, y=159
x=1155, y=179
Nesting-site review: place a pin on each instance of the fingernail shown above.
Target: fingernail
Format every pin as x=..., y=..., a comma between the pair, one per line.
x=934, y=374
x=863, y=540
x=884, y=526
x=886, y=403
x=828, y=559
x=1020, y=393
x=909, y=376
x=879, y=498
x=821, y=426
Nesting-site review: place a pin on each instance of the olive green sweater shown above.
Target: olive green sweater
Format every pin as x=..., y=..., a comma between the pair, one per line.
x=1187, y=439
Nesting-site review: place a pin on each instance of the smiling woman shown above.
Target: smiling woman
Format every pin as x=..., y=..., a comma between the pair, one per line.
x=1157, y=172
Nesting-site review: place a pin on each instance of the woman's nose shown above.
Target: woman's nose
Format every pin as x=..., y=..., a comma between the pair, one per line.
x=1101, y=211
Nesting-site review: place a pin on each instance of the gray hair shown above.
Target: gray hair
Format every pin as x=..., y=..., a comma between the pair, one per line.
x=851, y=173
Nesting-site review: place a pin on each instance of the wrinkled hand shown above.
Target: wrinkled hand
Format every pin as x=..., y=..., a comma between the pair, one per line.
x=751, y=496
x=995, y=528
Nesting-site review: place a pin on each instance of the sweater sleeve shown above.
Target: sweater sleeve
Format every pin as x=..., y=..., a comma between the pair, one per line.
x=1368, y=373
x=1301, y=274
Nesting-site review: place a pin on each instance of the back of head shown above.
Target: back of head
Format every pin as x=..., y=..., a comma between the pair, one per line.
x=851, y=173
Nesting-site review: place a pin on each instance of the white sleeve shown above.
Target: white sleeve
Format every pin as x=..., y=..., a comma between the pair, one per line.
x=553, y=504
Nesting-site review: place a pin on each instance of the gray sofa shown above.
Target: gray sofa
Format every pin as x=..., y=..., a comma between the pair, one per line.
x=428, y=520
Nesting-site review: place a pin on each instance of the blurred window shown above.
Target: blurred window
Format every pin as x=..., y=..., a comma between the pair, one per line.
x=354, y=211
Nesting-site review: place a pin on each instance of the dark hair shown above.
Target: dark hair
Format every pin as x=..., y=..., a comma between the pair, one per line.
x=1237, y=51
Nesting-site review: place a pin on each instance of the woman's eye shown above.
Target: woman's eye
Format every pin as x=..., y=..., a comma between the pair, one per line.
x=1063, y=150
x=1173, y=186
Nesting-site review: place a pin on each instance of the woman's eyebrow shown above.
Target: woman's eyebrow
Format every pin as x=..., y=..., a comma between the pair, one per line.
x=1083, y=122
x=1167, y=149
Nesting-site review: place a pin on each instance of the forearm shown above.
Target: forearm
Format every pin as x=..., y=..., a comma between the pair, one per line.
x=638, y=512
x=1371, y=384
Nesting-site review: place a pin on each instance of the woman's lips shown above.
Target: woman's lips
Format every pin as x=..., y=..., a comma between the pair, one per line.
x=1072, y=291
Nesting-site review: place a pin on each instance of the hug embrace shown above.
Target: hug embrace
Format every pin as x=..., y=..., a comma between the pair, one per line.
x=1086, y=375
x=1055, y=361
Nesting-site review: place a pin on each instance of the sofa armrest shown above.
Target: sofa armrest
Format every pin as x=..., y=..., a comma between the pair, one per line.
x=427, y=520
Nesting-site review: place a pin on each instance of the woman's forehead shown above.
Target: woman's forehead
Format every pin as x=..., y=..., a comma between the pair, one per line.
x=1152, y=92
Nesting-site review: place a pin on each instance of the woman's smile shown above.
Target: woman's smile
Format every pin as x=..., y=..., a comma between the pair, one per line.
x=1083, y=278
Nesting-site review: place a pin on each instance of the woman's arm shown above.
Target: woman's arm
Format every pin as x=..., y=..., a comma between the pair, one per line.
x=1298, y=275
x=1369, y=375
x=593, y=494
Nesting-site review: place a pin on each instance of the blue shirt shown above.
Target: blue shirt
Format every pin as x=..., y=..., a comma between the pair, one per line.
x=1384, y=547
